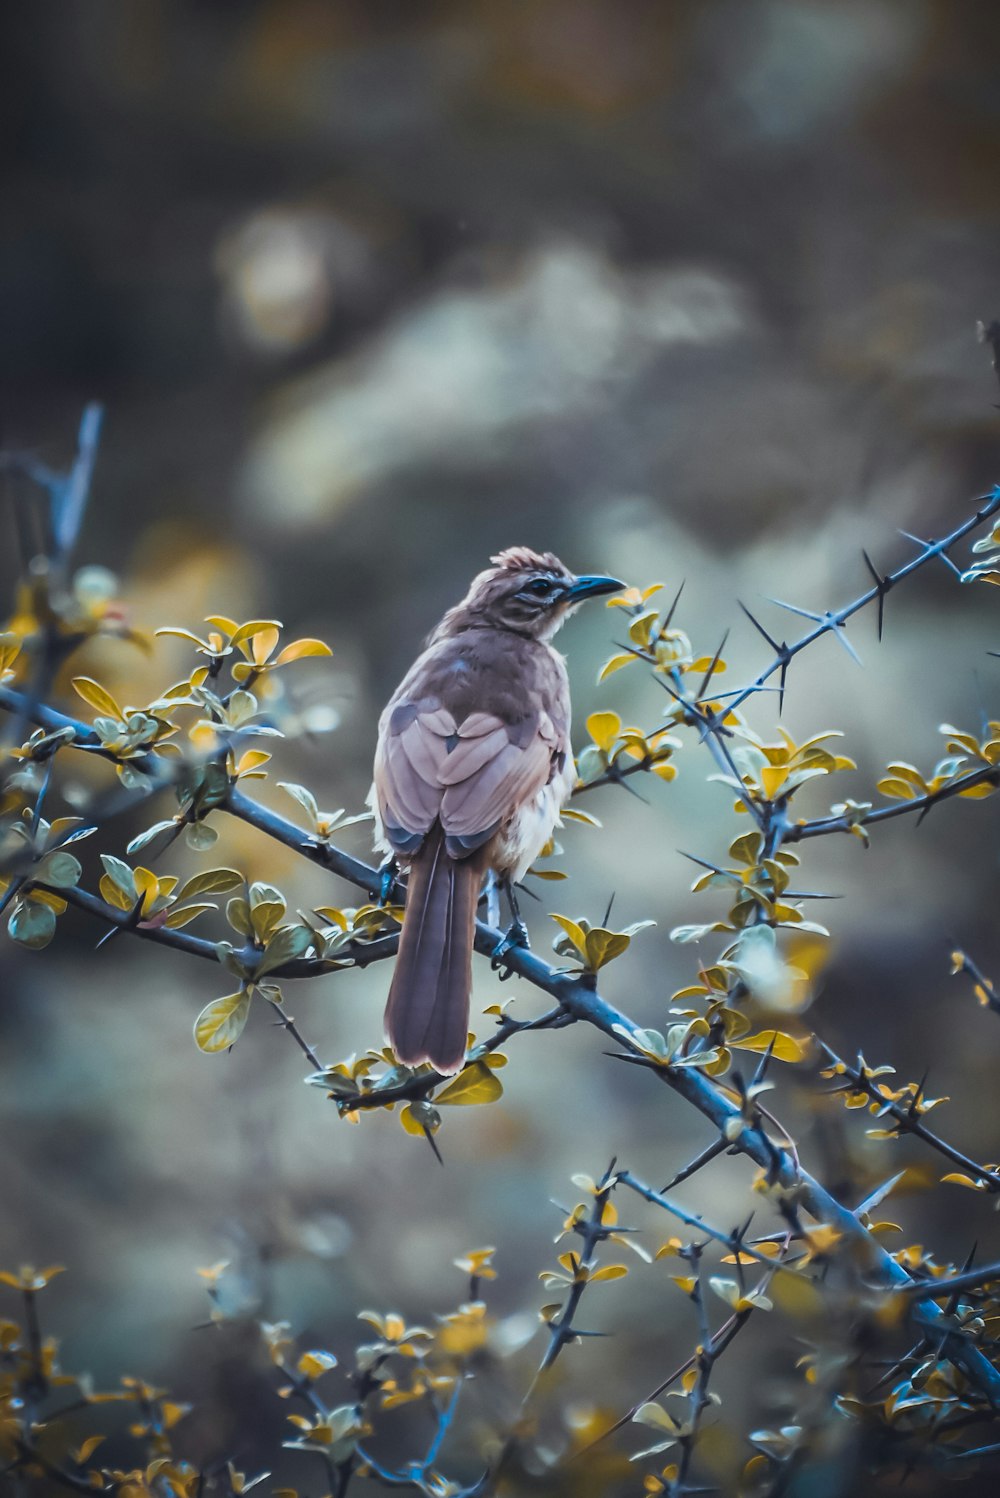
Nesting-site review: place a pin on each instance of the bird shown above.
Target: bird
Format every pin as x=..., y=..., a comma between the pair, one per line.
x=472, y=767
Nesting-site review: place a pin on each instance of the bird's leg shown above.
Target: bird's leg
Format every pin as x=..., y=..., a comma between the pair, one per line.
x=388, y=871
x=516, y=934
x=491, y=896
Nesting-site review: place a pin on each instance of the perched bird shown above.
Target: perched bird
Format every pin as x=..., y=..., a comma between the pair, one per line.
x=472, y=767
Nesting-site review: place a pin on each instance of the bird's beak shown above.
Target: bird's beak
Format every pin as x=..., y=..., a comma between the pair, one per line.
x=591, y=587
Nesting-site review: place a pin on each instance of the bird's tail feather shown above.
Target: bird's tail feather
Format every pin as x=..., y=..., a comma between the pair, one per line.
x=427, y=1014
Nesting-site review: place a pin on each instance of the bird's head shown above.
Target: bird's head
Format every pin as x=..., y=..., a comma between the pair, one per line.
x=528, y=592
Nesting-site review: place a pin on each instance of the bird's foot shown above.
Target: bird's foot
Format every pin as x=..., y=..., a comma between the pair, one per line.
x=516, y=935
x=388, y=870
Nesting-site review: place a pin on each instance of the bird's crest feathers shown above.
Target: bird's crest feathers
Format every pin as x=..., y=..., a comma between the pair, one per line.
x=523, y=559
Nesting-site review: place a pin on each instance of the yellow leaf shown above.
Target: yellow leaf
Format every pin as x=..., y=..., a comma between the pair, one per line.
x=300, y=648
x=900, y=789
x=314, y=1364
x=900, y=770
x=262, y=643
x=615, y=664
x=221, y=1023
x=786, y=1047
x=251, y=759
x=797, y=1296
x=248, y=630
x=87, y=1449
x=768, y=1250
x=604, y=729
x=97, y=696
x=113, y=895
x=574, y=931
x=641, y=627
x=772, y=778
x=50, y=898
x=222, y=624
x=603, y=946
x=609, y=1272
x=147, y=886
x=411, y=1123
x=569, y=814
x=476, y=1084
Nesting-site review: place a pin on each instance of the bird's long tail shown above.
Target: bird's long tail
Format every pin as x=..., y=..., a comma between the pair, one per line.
x=427, y=1014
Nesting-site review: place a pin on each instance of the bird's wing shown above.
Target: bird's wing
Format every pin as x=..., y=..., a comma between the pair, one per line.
x=471, y=775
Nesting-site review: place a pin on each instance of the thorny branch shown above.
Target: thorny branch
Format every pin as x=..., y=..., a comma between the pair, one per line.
x=576, y=996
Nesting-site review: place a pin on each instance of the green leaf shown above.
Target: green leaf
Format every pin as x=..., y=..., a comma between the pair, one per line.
x=32, y=924
x=286, y=945
x=303, y=796
x=182, y=914
x=121, y=876
x=221, y=1023
x=213, y=881
x=684, y=934
x=231, y=960
x=747, y=848
x=656, y=1416
x=265, y=894
x=59, y=869
x=201, y=836
x=131, y=778
x=265, y=918
x=151, y=833
x=242, y=707
x=238, y=915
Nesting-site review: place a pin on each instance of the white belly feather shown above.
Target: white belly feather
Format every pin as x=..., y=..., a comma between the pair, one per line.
x=520, y=841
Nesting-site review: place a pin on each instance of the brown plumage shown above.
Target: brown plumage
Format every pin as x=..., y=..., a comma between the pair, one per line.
x=472, y=767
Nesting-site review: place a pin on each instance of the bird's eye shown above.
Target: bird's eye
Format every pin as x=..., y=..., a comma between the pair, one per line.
x=540, y=586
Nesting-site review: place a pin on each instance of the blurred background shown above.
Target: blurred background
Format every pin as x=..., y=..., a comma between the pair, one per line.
x=680, y=291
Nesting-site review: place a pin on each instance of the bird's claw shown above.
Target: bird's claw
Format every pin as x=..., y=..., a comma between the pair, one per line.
x=388, y=870
x=516, y=935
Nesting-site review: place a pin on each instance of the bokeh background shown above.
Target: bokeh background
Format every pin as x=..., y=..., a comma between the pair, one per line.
x=680, y=290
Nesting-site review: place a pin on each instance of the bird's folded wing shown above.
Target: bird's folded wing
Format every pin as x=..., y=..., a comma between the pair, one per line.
x=471, y=775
